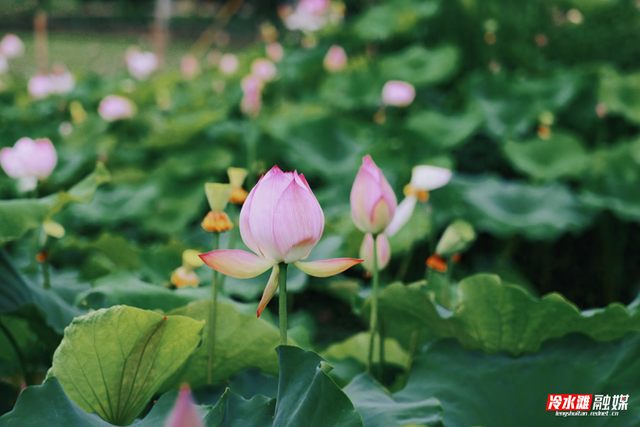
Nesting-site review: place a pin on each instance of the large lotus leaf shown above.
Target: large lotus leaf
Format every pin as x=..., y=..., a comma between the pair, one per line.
x=242, y=341
x=512, y=208
x=48, y=405
x=125, y=289
x=379, y=408
x=621, y=94
x=178, y=130
x=499, y=390
x=232, y=410
x=561, y=156
x=493, y=316
x=512, y=106
x=357, y=348
x=443, y=131
x=356, y=88
x=382, y=21
x=47, y=313
x=112, y=361
x=19, y=216
x=613, y=180
x=420, y=66
x=307, y=396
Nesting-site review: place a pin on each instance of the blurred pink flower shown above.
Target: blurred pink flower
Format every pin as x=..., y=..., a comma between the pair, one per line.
x=335, y=60
x=11, y=46
x=28, y=161
x=252, y=95
x=115, y=107
x=140, y=64
x=228, y=63
x=184, y=412
x=39, y=86
x=263, y=69
x=373, y=202
x=274, y=51
x=383, y=248
x=280, y=221
x=397, y=93
x=61, y=81
x=190, y=67
x=316, y=7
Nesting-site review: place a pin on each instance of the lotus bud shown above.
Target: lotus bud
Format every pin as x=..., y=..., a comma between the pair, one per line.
x=39, y=86
x=115, y=107
x=228, y=64
x=275, y=52
x=252, y=99
x=236, y=178
x=264, y=69
x=397, y=93
x=184, y=412
x=373, y=202
x=456, y=238
x=382, y=247
x=335, y=60
x=11, y=46
x=61, y=81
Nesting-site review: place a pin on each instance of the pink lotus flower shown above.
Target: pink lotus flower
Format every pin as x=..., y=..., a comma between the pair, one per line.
x=274, y=51
x=11, y=46
x=115, y=107
x=397, y=93
x=373, y=202
x=252, y=95
x=61, y=81
x=228, y=64
x=28, y=161
x=140, y=64
x=316, y=7
x=281, y=221
x=335, y=60
x=382, y=247
x=190, y=67
x=184, y=412
x=263, y=69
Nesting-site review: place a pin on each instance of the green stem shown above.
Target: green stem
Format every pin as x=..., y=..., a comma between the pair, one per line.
x=19, y=355
x=373, y=325
x=46, y=276
x=381, y=336
x=412, y=350
x=283, y=303
x=212, y=314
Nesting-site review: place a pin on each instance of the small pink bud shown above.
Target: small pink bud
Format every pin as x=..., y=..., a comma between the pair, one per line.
x=228, y=64
x=397, y=93
x=61, y=81
x=275, y=52
x=11, y=46
x=383, y=248
x=190, y=67
x=263, y=69
x=115, y=107
x=184, y=412
x=373, y=202
x=335, y=60
x=252, y=97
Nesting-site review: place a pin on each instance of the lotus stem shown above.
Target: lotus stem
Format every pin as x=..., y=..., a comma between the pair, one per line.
x=283, y=303
x=212, y=314
x=373, y=325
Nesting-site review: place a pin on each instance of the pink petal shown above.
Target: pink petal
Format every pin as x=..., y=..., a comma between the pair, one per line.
x=184, y=412
x=270, y=289
x=10, y=163
x=369, y=190
x=402, y=215
x=44, y=159
x=236, y=263
x=245, y=227
x=328, y=267
x=298, y=221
